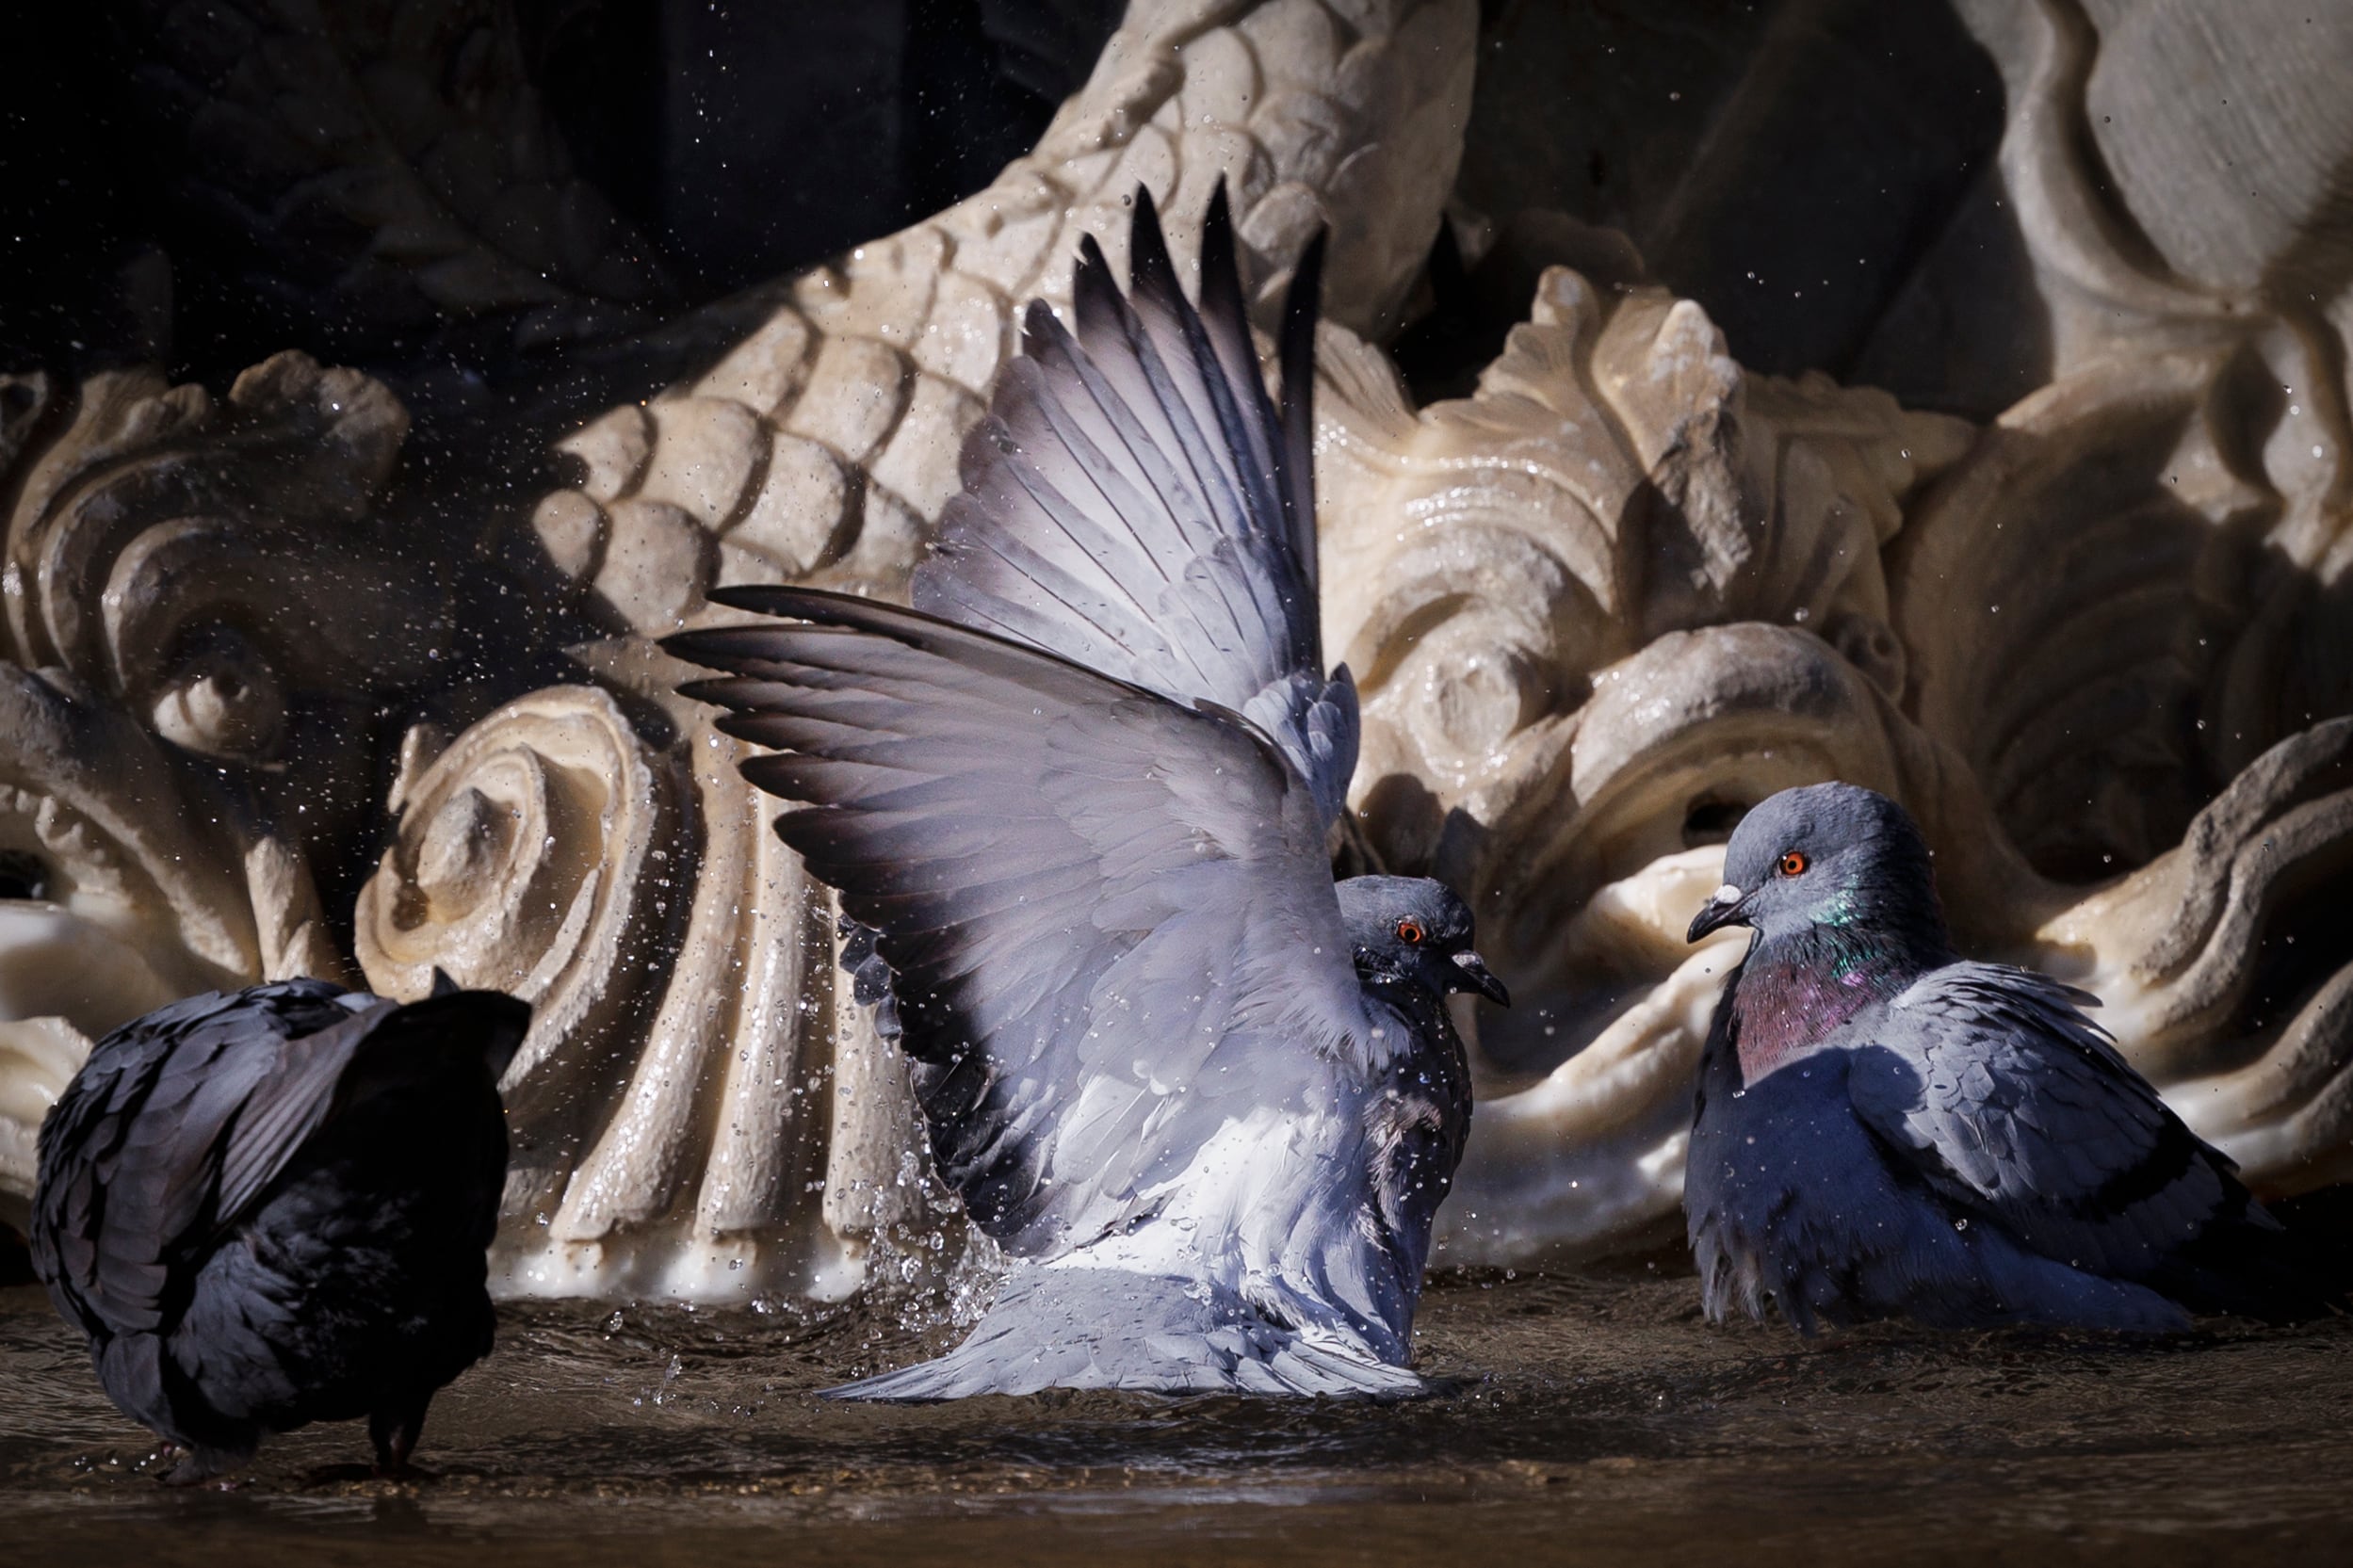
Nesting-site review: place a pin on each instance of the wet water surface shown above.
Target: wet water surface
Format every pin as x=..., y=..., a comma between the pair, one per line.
x=1592, y=1419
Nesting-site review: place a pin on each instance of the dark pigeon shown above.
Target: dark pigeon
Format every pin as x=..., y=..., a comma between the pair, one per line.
x=274, y=1207
x=1886, y=1130
x=1079, y=800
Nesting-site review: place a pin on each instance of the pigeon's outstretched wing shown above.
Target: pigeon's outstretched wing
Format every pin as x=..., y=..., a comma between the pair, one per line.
x=1134, y=501
x=2007, y=1099
x=1109, y=918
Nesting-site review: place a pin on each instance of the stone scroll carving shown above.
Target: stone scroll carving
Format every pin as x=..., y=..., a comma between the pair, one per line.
x=277, y=698
x=200, y=614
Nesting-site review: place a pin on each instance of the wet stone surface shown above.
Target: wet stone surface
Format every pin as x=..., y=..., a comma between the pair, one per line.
x=1592, y=1419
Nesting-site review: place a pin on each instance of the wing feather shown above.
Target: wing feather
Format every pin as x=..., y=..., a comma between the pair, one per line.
x=1135, y=502
x=149, y=1152
x=2005, y=1097
x=286, y=1107
x=1109, y=919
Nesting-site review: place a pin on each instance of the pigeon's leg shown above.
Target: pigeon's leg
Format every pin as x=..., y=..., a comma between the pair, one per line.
x=393, y=1427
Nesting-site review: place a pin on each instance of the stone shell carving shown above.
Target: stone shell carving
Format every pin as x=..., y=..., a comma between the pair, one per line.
x=1618, y=593
x=669, y=1106
x=1596, y=607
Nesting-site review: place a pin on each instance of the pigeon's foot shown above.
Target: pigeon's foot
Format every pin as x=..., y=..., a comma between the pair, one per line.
x=198, y=1465
x=393, y=1429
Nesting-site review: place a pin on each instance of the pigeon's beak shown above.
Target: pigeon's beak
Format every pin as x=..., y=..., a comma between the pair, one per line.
x=1479, y=978
x=1725, y=907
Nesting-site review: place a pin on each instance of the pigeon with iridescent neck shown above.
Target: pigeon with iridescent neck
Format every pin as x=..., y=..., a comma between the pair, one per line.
x=1888, y=1131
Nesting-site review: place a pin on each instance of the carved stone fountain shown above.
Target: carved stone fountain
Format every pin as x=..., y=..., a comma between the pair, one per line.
x=280, y=701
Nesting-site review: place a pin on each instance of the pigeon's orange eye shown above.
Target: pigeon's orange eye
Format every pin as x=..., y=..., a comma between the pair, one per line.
x=1792, y=864
x=1409, y=931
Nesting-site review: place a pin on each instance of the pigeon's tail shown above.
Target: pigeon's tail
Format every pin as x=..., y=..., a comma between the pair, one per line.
x=447, y=1032
x=2249, y=1266
x=1104, y=1328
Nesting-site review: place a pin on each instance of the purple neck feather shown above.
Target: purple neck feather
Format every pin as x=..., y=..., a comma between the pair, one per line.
x=1793, y=995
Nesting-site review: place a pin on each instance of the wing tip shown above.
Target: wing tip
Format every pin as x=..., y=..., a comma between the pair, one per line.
x=760, y=598
x=1151, y=269
x=710, y=647
x=1303, y=301
x=924, y=1383
x=1220, y=265
x=1296, y=361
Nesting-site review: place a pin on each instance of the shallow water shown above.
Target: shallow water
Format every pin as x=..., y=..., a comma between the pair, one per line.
x=1593, y=1420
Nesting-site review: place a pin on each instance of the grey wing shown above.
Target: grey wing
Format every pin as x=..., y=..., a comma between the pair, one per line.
x=2007, y=1098
x=869, y=976
x=1134, y=502
x=1109, y=919
x=170, y=1131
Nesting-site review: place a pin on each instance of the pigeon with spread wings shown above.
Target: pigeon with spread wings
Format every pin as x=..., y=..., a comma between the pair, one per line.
x=1080, y=797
